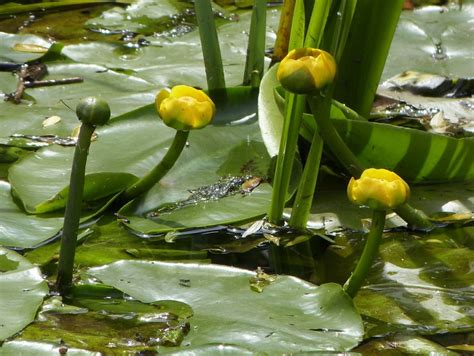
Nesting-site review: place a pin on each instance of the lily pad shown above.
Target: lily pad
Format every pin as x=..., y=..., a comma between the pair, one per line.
x=21, y=230
x=22, y=290
x=106, y=320
x=433, y=39
x=162, y=61
x=143, y=17
x=288, y=316
x=11, y=52
x=35, y=185
x=124, y=93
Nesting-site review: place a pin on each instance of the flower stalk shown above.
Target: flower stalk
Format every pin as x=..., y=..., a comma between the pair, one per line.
x=380, y=190
x=159, y=171
x=286, y=156
x=305, y=193
x=369, y=253
x=91, y=112
x=183, y=108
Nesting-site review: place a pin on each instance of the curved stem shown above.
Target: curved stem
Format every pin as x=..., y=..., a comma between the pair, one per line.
x=155, y=175
x=335, y=143
x=73, y=209
x=415, y=218
x=371, y=249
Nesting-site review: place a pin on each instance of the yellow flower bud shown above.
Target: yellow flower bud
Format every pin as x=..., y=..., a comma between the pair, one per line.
x=185, y=108
x=379, y=189
x=305, y=70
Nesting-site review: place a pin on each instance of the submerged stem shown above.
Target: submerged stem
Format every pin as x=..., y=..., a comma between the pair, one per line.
x=159, y=171
x=371, y=249
x=73, y=209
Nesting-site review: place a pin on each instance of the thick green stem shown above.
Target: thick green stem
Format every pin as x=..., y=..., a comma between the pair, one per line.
x=307, y=186
x=210, y=45
x=363, y=59
x=286, y=156
x=304, y=196
x=335, y=143
x=371, y=249
x=160, y=170
x=255, y=60
x=317, y=23
x=415, y=218
x=73, y=209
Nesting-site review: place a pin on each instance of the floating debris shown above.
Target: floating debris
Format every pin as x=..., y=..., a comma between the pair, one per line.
x=226, y=186
x=47, y=139
x=52, y=120
x=261, y=280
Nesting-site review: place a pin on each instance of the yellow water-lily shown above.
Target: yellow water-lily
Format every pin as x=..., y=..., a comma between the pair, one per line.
x=305, y=70
x=185, y=108
x=380, y=189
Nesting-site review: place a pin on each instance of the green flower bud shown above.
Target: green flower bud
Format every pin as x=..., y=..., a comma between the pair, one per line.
x=185, y=108
x=380, y=189
x=306, y=70
x=94, y=111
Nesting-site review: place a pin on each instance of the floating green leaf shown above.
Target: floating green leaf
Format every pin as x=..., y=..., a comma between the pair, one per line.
x=433, y=39
x=21, y=230
x=22, y=290
x=162, y=61
x=103, y=319
x=8, y=43
x=288, y=316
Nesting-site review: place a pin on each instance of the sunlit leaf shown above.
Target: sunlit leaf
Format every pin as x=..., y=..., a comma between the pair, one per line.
x=288, y=316
x=9, y=44
x=19, y=229
x=432, y=39
x=22, y=290
x=101, y=318
x=161, y=61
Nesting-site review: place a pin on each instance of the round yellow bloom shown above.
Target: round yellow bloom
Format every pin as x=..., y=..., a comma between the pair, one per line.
x=305, y=70
x=379, y=189
x=185, y=108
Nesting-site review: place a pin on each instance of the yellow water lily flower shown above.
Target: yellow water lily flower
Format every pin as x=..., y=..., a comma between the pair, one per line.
x=305, y=70
x=185, y=108
x=380, y=189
